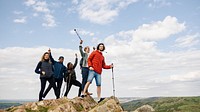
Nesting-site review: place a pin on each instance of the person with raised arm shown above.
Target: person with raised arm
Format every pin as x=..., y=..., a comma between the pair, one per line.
x=70, y=77
x=45, y=69
x=59, y=70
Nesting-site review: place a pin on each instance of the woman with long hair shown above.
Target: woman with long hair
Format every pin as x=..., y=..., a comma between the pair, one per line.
x=45, y=69
x=70, y=77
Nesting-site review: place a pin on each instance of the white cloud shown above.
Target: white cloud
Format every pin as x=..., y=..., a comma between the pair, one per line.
x=104, y=10
x=43, y=7
x=17, y=12
x=30, y=2
x=159, y=3
x=75, y=2
x=191, y=76
x=150, y=33
x=159, y=30
x=57, y=4
x=49, y=21
x=20, y=20
x=187, y=41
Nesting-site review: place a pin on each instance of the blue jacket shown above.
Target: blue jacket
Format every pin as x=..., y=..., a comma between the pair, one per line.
x=59, y=68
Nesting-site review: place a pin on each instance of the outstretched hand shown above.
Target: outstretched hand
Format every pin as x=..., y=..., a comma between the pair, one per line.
x=76, y=55
x=81, y=41
x=112, y=66
x=49, y=51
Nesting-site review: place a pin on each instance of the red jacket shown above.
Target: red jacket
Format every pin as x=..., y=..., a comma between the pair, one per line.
x=96, y=60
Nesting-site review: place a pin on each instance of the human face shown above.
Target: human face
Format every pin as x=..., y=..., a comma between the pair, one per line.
x=46, y=56
x=61, y=60
x=87, y=50
x=70, y=66
x=101, y=47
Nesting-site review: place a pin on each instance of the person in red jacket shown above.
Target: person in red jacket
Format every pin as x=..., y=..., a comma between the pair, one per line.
x=96, y=63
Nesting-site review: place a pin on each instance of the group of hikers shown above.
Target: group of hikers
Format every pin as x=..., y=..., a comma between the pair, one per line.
x=55, y=71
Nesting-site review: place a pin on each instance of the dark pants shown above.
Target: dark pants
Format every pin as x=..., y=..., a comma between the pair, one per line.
x=43, y=85
x=85, y=72
x=58, y=83
x=73, y=82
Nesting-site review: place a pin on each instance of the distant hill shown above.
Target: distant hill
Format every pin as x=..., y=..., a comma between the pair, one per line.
x=7, y=105
x=166, y=104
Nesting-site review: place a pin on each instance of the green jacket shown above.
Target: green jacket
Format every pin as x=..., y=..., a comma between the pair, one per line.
x=84, y=57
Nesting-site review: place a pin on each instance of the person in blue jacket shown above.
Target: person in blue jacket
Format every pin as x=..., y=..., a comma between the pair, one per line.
x=59, y=71
x=45, y=69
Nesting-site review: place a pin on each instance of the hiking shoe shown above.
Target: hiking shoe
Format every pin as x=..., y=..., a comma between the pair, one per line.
x=101, y=100
x=83, y=96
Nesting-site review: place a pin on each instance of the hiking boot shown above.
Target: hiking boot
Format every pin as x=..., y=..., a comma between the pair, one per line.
x=101, y=99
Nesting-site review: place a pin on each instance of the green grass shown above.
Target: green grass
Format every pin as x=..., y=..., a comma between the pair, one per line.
x=166, y=104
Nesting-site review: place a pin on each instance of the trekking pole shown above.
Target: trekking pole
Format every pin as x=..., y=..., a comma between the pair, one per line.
x=77, y=34
x=113, y=82
x=64, y=88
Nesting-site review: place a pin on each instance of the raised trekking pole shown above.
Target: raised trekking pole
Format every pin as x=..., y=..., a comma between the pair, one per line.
x=113, y=82
x=77, y=34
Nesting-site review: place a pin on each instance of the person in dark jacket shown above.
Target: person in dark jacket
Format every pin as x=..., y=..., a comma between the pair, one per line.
x=45, y=69
x=59, y=70
x=70, y=77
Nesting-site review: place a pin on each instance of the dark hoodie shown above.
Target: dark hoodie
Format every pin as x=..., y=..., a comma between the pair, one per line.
x=71, y=74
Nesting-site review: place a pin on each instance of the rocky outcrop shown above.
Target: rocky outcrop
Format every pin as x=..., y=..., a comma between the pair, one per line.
x=145, y=108
x=86, y=104
x=108, y=105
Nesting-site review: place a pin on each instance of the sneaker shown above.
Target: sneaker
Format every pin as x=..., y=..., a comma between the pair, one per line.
x=101, y=99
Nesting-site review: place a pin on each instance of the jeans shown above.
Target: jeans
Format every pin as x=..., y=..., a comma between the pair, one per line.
x=92, y=75
x=85, y=72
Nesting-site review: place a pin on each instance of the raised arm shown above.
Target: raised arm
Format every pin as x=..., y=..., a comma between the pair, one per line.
x=76, y=61
x=50, y=56
x=81, y=48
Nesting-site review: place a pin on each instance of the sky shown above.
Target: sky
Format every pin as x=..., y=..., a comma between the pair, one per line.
x=154, y=44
